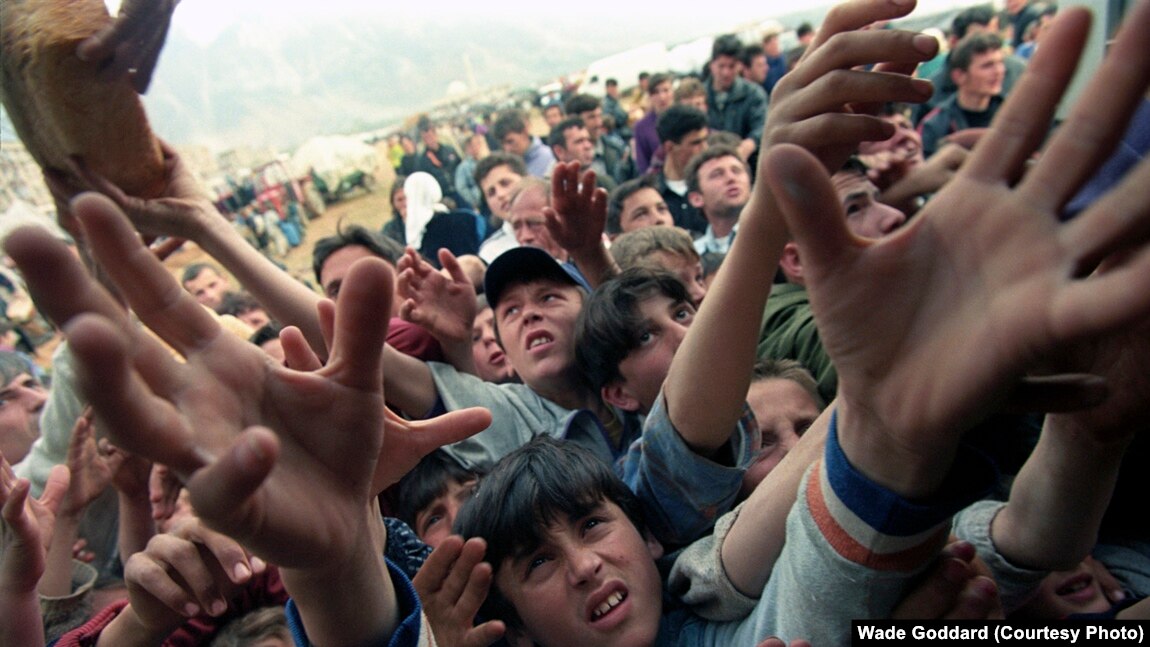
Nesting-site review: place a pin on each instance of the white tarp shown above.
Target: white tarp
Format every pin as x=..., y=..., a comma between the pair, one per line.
x=334, y=157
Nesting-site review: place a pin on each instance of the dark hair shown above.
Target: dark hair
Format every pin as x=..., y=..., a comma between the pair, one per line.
x=581, y=103
x=542, y=482
x=425, y=124
x=346, y=236
x=396, y=187
x=610, y=326
x=977, y=15
x=659, y=78
x=237, y=303
x=610, y=82
x=193, y=270
x=704, y=156
x=726, y=45
x=678, y=121
x=267, y=332
x=804, y=29
x=427, y=481
x=971, y=46
x=557, y=136
x=750, y=53
x=494, y=161
x=511, y=121
x=615, y=202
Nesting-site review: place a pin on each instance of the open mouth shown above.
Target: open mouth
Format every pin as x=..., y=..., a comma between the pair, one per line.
x=612, y=601
x=538, y=340
x=1075, y=586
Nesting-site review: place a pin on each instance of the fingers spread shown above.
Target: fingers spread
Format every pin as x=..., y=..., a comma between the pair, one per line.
x=1100, y=116
x=223, y=493
x=150, y=289
x=135, y=418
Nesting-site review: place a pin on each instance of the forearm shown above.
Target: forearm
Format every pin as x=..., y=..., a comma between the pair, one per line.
x=136, y=524
x=408, y=383
x=1069, y=475
x=57, y=578
x=725, y=333
x=127, y=629
x=352, y=602
x=289, y=301
x=595, y=263
x=20, y=622
x=757, y=536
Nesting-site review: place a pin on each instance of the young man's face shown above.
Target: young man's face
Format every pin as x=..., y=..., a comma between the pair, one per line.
x=207, y=287
x=578, y=147
x=665, y=323
x=866, y=216
x=662, y=97
x=757, y=72
x=21, y=401
x=984, y=75
x=724, y=186
x=552, y=115
x=497, y=187
x=724, y=69
x=537, y=325
x=691, y=144
x=433, y=523
x=336, y=267
x=592, y=582
x=593, y=120
x=516, y=143
x=784, y=410
x=430, y=138
x=490, y=361
x=529, y=223
x=689, y=270
x=644, y=208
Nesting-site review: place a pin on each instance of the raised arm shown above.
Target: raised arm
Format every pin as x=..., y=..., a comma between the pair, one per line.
x=443, y=305
x=239, y=429
x=932, y=327
x=810, y=108
x=576, y=220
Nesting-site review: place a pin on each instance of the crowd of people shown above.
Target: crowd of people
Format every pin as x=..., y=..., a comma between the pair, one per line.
x=782, y=351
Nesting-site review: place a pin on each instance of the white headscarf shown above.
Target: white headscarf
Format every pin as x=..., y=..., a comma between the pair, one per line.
x=423, y=202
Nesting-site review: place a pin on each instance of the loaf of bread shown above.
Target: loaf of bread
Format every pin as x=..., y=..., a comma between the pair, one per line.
x=58, y=105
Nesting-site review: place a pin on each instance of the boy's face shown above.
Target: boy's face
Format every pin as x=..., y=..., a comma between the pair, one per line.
x=21, y=401
x=498, y=186
x=665, y=323
x=866, y=216
x=724, y=186
x=644, y=208
x=593, y=581
x=536, y=326
x=689, y=270
x=490, y=361
x=433, y=523
x=783, y=410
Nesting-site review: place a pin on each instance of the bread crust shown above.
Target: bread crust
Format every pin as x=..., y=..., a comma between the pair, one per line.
x=61, y=108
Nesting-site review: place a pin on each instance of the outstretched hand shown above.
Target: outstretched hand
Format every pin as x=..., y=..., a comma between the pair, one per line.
x=132, y=44
x=210, y=418
x=987, y=281
x=452, y=585
x=444, y=305
x=578, y=212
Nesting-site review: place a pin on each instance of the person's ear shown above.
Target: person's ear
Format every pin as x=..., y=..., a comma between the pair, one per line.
x=695, y=198
x=653, y=545
x=790, y=262
x=958, y=76
x=618, y=395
